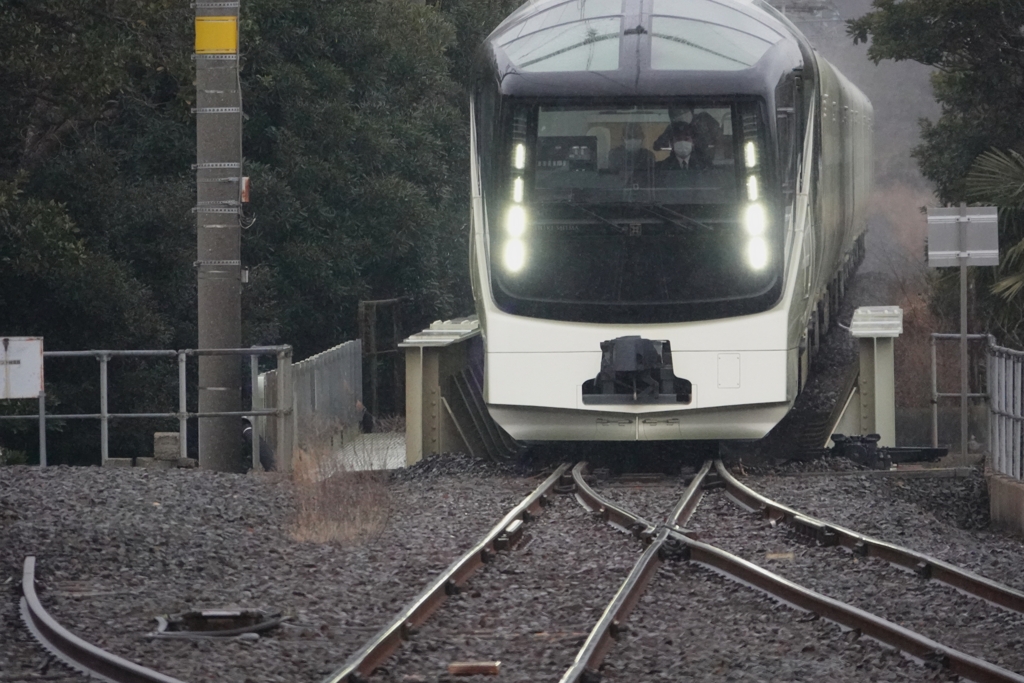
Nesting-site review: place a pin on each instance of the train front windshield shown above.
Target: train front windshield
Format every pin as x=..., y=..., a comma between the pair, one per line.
x=634, y=213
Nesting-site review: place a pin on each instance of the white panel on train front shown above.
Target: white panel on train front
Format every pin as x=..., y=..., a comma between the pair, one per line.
x=555, y=380
x=728, y=371
x=758, y=332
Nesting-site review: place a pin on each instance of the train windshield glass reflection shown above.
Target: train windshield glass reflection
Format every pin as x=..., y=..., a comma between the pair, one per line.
x=638, y=207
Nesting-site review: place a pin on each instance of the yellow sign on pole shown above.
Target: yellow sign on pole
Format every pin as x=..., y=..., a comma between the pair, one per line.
x=216, y=35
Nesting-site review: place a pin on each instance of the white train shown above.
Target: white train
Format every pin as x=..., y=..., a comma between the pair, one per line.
x=667, y=198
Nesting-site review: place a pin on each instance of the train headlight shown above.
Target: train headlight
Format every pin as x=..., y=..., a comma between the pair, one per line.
x=750, y=154
x=514, y=255
x=753, y=192
x=515, y=222
x=519, y=156
x=517, y=190
x=757, y=253
x=754, y=219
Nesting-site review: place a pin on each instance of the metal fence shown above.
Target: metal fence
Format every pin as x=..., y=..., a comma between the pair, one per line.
x=1006, y=412
x=936, y=394
x=327, y=395
x=283, y=354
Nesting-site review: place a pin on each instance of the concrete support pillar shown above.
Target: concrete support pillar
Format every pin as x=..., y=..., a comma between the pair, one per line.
x=876, y=329
x=431, y=358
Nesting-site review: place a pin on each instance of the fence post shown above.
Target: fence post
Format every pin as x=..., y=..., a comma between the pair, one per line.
x=104, y=420
x=1004, y=408
x=993, y=404
x=1015, y=419
x=42, y=429
x=254, y=379
x=182, y=407
x=285, y=403
x=935, y=398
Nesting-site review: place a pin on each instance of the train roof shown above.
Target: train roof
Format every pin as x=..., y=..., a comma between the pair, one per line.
x=643, y=47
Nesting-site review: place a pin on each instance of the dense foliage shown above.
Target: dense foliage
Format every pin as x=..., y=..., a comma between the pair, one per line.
x=355, y=141
x=977, y=50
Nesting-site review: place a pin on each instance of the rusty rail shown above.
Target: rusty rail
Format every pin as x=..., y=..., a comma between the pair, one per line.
x=662, y=545
x=673, y=542
x=925, y=566
x=865, y=623
x=608, y=511
x=361, y=664
x=72, y=650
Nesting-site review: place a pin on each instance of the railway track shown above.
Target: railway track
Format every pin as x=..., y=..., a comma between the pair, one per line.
x=74, y=651
x=674, y=547
x=859, y=621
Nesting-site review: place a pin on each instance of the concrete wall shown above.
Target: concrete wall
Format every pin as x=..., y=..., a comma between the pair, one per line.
x=1006, y=500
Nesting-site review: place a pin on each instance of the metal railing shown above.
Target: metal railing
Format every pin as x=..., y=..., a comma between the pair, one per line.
x=936, y=394
x=283, y=354
x=1006, y=409
x=327, y=389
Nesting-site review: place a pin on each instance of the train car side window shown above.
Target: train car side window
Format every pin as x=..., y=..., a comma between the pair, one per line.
x=787, y=122
x=486, y=103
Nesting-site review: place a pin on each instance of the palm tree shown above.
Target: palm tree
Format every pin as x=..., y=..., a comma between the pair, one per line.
x=997, y=177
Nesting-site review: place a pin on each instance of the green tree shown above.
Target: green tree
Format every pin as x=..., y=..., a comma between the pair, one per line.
x=356, y=142
x=977, y=50
x=997, y=178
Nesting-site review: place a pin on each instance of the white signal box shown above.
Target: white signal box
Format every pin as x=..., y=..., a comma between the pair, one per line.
x=21, y=367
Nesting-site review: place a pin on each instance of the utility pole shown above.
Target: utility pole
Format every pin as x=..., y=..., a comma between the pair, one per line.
x=219, y=188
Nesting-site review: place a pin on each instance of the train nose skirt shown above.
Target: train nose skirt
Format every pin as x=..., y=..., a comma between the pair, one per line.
x=635, y=370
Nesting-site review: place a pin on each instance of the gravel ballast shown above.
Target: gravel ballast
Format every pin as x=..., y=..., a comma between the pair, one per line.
x=695, y=625
x=930, y=608
x=117, y=547
x=530, y=608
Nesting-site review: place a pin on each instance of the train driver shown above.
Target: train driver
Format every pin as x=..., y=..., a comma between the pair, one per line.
x=684, y=155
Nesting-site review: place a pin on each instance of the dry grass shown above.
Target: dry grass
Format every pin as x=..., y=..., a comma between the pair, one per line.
x=335, y=503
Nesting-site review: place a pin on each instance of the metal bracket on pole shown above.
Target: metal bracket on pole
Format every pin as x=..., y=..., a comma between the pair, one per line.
x=215, y=209
x=216, y=164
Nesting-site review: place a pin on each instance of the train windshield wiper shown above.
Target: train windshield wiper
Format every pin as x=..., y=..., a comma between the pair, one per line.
x=674, y=217
x=583, y=209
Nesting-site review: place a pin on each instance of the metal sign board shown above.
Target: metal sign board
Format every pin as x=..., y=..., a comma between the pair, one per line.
x=21, y=367
x=979, y=241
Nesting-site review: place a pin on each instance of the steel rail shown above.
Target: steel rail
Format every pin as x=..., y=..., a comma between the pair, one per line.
x=828, y=534
x=361, y=664
x=610, y=625
x=72, y=650
x=605, y=509
x=863, y=622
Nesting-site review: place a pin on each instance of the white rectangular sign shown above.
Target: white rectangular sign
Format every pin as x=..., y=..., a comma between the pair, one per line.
x=21, y=367
x=980, y=240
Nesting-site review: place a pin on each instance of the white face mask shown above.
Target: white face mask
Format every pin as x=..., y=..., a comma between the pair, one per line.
x=682, y=148
x=633, y=144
